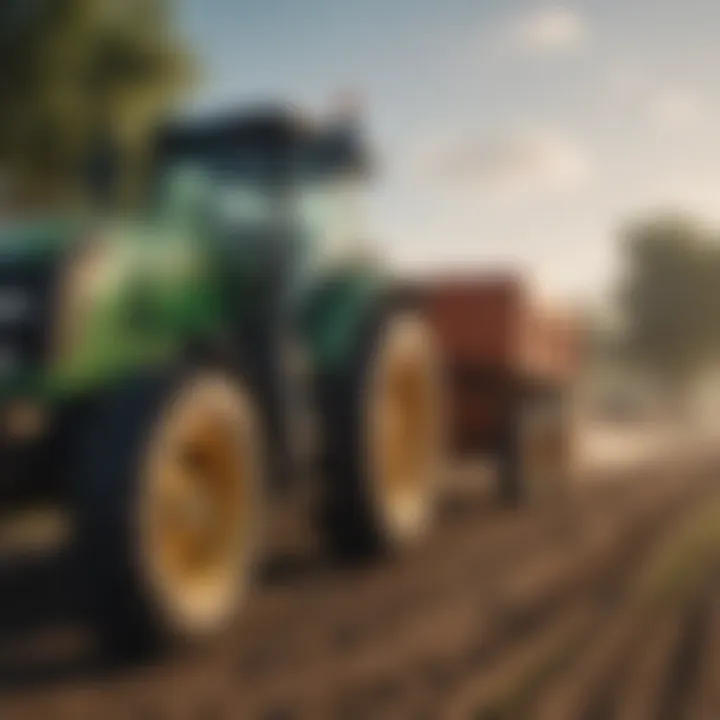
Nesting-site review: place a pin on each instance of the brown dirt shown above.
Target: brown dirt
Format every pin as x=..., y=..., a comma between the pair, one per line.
x=570, y=611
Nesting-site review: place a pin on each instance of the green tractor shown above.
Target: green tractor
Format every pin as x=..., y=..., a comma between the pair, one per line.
x=160, y=372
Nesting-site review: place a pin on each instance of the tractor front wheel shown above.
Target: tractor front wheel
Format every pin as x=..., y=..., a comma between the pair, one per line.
x=168, y=506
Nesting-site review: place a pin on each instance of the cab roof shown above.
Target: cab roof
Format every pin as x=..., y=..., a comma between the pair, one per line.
x=272, y=130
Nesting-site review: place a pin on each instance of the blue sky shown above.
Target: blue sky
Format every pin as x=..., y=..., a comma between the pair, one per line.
x=508, y=131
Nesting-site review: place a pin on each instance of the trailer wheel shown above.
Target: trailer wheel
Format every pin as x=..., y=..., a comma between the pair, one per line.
x=168, y=506
x=384, y=439
x=535, y=454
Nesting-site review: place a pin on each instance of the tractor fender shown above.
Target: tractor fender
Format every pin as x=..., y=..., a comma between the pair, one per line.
x=335, y=317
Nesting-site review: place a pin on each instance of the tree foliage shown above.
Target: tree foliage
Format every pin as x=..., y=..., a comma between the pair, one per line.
x=74, y=73
x=670, y=297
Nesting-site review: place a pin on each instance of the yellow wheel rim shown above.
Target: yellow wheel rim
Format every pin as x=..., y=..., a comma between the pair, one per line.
x=405, y=425
x=199, y=509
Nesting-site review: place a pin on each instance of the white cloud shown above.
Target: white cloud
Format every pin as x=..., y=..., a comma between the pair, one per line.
x=677, y=109
x=667, y=104
x=551, y=29
x=533, y=160
x=623, y=78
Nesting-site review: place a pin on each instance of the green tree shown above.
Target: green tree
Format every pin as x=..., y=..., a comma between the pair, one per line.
x=75, y=74
x=670, y=299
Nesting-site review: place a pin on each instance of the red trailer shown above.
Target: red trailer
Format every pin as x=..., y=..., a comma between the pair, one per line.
x=511, y=363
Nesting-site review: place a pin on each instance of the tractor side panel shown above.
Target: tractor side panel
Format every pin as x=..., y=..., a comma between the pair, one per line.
x=162, y=297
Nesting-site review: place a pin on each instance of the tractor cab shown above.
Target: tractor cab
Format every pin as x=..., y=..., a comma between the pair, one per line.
x=268, y=172
x=278, y=198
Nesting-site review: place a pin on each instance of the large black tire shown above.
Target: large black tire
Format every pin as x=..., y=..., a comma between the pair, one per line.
x=363, y=519
x=535, y=451
x=140, y=475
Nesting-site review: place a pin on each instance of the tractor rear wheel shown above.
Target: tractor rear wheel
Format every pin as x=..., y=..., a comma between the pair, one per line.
x=385, y=439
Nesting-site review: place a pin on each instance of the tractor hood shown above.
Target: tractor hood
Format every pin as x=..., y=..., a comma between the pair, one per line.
x=30, y=258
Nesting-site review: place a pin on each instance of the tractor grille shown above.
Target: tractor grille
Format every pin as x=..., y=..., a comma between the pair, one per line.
x=26, y=288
